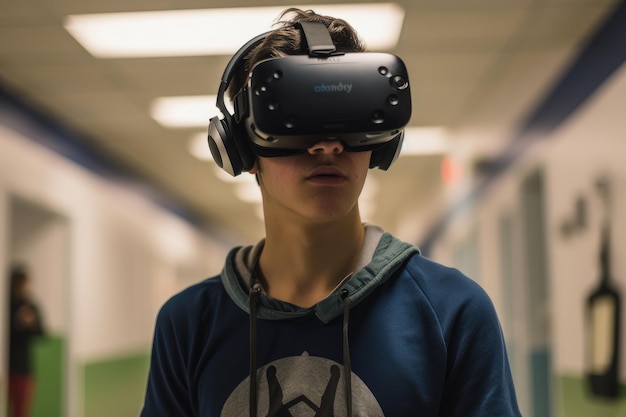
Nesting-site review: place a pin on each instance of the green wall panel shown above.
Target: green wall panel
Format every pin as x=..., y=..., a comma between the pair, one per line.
x=48, y=356
x=576, y=401
x=116, y=387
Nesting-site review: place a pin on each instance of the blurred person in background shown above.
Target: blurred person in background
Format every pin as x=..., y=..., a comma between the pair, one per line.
x=25, y=326
x=326, y=315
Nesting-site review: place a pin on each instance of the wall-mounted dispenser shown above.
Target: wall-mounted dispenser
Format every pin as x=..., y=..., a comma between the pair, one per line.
x=602, y=314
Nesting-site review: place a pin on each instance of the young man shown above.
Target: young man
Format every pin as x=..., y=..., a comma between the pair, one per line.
x=326, y=316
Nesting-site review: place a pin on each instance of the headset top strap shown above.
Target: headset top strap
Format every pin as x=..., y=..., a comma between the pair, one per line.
x=318, y=38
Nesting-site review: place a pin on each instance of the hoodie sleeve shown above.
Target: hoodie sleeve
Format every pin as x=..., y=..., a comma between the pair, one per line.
x=168, y=393
x=478, y=380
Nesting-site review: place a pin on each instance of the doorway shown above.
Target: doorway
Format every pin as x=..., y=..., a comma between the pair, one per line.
x=39, y=239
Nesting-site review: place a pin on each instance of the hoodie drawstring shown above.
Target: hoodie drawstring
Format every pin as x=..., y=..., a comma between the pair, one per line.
x=253, y=298
x=347, y=367
x=255, y=290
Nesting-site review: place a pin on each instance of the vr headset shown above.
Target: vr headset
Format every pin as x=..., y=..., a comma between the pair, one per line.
x=289, y=104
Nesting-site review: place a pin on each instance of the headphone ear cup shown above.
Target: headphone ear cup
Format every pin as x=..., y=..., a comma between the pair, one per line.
x=383, y=158
x=228, y=147
x=222, y=147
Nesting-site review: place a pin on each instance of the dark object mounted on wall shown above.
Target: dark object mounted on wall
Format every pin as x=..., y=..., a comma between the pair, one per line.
x=603, y=312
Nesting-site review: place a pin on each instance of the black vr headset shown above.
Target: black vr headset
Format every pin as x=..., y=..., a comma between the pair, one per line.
x=291, y=103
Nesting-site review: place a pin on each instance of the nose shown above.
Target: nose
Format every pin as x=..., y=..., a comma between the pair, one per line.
x=326, y=147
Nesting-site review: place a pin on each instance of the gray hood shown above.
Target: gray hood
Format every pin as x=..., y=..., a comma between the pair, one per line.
x=381, y=256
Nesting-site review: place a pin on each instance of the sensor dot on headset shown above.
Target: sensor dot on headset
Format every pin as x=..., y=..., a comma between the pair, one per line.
x=378, y=117
x=399, y=82
x=261, y=89
x=290, y=123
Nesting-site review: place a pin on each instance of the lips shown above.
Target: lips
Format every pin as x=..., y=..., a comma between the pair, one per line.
x=326, y=171
x=327, y=174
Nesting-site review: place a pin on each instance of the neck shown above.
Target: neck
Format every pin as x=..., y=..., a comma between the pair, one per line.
x=303, y=264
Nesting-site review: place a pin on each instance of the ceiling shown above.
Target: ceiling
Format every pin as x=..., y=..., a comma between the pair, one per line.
x=477, y=68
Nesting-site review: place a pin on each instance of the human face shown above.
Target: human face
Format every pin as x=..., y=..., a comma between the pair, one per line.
x=320, y=185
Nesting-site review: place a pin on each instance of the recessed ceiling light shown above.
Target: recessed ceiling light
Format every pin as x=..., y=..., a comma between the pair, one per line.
x=425, y=141
x=215, y=31
x=184, y=111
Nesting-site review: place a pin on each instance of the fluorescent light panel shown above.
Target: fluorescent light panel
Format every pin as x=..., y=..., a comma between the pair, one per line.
x=428, y=140
x=184, y=111
x=215, y=31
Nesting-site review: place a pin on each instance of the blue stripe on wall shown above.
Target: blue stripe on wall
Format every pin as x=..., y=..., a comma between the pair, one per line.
x=44, y=130
x=598, y=59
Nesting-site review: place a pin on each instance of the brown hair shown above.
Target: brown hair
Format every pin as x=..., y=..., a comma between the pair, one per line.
x=287, y=40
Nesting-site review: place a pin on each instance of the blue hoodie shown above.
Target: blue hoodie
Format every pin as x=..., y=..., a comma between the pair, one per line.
x=415, y=337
